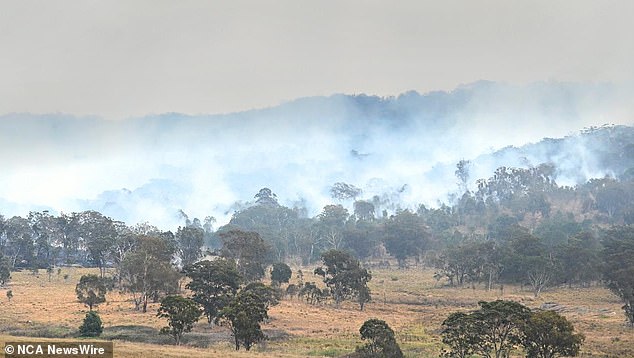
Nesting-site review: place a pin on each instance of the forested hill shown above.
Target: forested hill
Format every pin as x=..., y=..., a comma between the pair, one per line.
x=594, y=152
x=402, y=149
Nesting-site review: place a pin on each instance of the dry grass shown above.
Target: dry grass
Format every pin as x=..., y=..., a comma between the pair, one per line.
x=408, y=300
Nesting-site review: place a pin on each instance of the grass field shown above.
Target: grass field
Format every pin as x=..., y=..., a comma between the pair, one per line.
x=406, y=299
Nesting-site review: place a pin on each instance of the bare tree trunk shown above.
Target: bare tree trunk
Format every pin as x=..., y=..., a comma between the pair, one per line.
x=145, y=302
x=490, y=280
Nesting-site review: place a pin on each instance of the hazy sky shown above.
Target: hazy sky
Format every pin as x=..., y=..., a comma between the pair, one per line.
x=129, y=58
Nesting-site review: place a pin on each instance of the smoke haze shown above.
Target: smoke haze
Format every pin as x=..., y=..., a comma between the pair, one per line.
x=400, y=148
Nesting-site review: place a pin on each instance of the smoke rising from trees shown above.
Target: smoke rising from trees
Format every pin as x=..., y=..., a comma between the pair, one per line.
x=400, y=150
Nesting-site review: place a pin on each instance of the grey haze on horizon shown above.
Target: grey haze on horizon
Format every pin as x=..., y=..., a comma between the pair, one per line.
x=118, y=105
x=402, y=148
x=122, y=59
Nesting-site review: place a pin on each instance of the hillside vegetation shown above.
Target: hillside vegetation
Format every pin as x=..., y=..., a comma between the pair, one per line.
x=277, y=282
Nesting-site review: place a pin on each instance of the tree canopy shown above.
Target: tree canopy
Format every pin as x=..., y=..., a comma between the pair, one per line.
x=243, y=315
x=619, y=267
x=344, y=276
x=91, y=290
x=181, y=314
x=381, y=340
x=214, y=284
x=249, y=251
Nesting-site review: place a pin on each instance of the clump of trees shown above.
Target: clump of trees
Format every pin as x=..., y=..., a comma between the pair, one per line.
x=480, y=237
x=214, y=284
x=226, y=297
x=505, y=231
x=499, y=327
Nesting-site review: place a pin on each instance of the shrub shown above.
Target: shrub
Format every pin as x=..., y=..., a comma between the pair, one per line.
x=548, y=335
x=280, y=273
x=382, y=343
x=92, y=326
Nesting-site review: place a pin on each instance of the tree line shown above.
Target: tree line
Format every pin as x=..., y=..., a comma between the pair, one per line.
x=518, y=227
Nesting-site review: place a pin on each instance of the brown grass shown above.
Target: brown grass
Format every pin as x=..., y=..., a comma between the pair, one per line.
x=407, y=300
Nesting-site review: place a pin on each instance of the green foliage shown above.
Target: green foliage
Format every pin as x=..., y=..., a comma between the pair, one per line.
x=45, y=233
x=292, y=290
x=19, y=246
x=333, y=217
x=382, y=343
x=458, y=263
x=92, y=326
x=405, y=236
x=5, y=269
x=362, y=237
x=243, y=315
x=530, y=261
x=190, y=241
x=98, y=233
x=277, y=225
x=181, y=314
x=548, y=335
x=580, y=259
x=214, y=284
x=504, y=227
x=618, y=256
x=343, y=191
x=147, y=270
x=521, y=190
x=440, y=220
x=269, y=295
x=500, y=323
x=494, y=329
x=462, y=173
x=91, y=290
x=266, y=197
x=9, y=295
x=248, y=250
x=613, y=198
x=364, y=210
x=313, y=294
x=461, y=335
x=280, y=273
x=344, y=276
x=557, y=229
x=363, y=296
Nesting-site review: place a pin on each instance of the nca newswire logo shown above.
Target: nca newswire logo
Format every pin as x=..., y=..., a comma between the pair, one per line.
x=58, y=349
